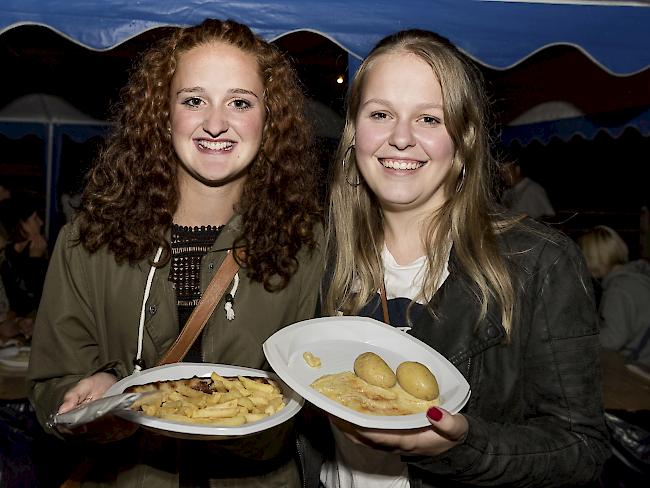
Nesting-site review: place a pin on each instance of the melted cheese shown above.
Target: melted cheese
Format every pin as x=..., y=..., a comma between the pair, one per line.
x=348, y=389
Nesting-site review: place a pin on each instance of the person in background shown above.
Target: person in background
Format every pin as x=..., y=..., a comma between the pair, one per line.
x=209, y=155
x=18, y=425
x=524, y=195
x=5, y=194
x=25, y=254
x=71, y=188
x=625, y=293
x=69, y=204
x=4, y=302
x=505, y=299
x=13, y=328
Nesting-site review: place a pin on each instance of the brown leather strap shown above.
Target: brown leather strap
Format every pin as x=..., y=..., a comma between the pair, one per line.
x=384, y=302
x=202, y=311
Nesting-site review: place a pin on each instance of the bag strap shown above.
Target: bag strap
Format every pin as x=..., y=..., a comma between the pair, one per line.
x=202, y=311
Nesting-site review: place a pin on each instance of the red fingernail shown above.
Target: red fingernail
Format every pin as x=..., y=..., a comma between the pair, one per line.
x=434, y=414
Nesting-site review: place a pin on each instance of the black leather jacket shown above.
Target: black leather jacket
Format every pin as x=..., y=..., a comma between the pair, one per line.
x=535, y=413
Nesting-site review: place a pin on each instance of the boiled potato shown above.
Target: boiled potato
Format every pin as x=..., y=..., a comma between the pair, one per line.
x=416, y=379
x=373, y=369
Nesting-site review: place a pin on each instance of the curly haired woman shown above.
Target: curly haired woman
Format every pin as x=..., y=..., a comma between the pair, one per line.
x=207, y=156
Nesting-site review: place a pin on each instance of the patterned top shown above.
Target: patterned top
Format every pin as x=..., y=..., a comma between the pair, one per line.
x=189, y=245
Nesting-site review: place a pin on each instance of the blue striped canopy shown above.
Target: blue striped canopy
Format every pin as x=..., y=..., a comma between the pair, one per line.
x=497, y=33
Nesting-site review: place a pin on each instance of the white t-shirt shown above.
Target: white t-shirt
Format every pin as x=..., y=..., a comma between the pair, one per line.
x=358, y=466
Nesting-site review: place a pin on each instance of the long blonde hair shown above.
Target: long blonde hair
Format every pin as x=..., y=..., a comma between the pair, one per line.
x=355, y=230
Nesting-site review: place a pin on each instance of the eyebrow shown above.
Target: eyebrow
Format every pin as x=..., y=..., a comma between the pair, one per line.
x=381, y=101
x=198, y=89
x=243, y=91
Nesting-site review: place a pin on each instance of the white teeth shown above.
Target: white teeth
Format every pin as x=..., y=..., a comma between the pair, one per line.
x=215, y=145
x=396, y=164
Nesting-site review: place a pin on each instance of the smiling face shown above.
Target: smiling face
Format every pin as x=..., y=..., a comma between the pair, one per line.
x=402, y=146
x=216, y=114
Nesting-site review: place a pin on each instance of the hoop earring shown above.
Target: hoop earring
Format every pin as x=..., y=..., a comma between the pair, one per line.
x=459, y=185
x=346, y=170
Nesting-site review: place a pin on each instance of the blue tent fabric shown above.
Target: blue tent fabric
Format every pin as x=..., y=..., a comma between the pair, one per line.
x=15, y=130
x=497, y=33
x=49, y=118
x=79, y=134
x=587, y=126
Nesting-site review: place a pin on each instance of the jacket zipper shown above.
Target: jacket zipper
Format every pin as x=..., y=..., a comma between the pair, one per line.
x=303, y=468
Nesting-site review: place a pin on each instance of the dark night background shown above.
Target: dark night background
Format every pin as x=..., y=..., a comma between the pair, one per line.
x=588, y=181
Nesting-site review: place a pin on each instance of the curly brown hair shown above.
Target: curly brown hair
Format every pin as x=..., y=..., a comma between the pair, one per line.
x=132, y=192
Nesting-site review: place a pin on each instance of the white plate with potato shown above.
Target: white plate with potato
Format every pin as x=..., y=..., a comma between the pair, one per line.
x=186, y=427
x=295, y=351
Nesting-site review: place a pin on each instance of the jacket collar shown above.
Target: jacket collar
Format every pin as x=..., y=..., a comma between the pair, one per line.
x=455, y=331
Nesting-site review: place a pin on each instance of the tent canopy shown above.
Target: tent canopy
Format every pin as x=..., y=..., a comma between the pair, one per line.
x=497, y=33
x=562, y=120
x=50, y=118
x=32, y=114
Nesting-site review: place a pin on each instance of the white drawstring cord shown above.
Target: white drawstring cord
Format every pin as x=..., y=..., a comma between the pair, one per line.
x=230, y=299
x=137, y=362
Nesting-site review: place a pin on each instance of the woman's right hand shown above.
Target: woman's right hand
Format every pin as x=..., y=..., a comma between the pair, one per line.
x=87, y=390
x=105, y=429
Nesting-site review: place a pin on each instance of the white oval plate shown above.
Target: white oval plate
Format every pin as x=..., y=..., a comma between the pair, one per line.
x=177, y=371
x=337, y=341
x=15, y=356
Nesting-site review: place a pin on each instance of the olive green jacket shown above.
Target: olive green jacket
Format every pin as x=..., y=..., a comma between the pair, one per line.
x=89, y=315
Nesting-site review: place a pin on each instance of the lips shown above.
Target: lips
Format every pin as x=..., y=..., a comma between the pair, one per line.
x=216, y=146
x=401, y=164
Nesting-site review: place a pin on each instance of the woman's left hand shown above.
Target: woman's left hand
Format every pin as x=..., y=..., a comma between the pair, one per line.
x=446, y=431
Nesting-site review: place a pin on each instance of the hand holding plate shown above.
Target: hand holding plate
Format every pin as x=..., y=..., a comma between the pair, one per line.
x=443, y=434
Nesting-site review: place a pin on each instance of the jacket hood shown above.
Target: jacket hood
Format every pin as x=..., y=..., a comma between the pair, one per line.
x=635, y=270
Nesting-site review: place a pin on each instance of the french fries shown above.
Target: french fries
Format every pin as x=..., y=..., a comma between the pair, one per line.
x=215, y=401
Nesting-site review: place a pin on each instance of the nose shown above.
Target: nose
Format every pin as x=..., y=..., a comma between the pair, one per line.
x=402, y=135
x=215, y=123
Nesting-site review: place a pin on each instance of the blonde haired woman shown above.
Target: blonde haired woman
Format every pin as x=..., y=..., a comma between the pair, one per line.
x=604, y=250
x=506, y=301
x=625, y=301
